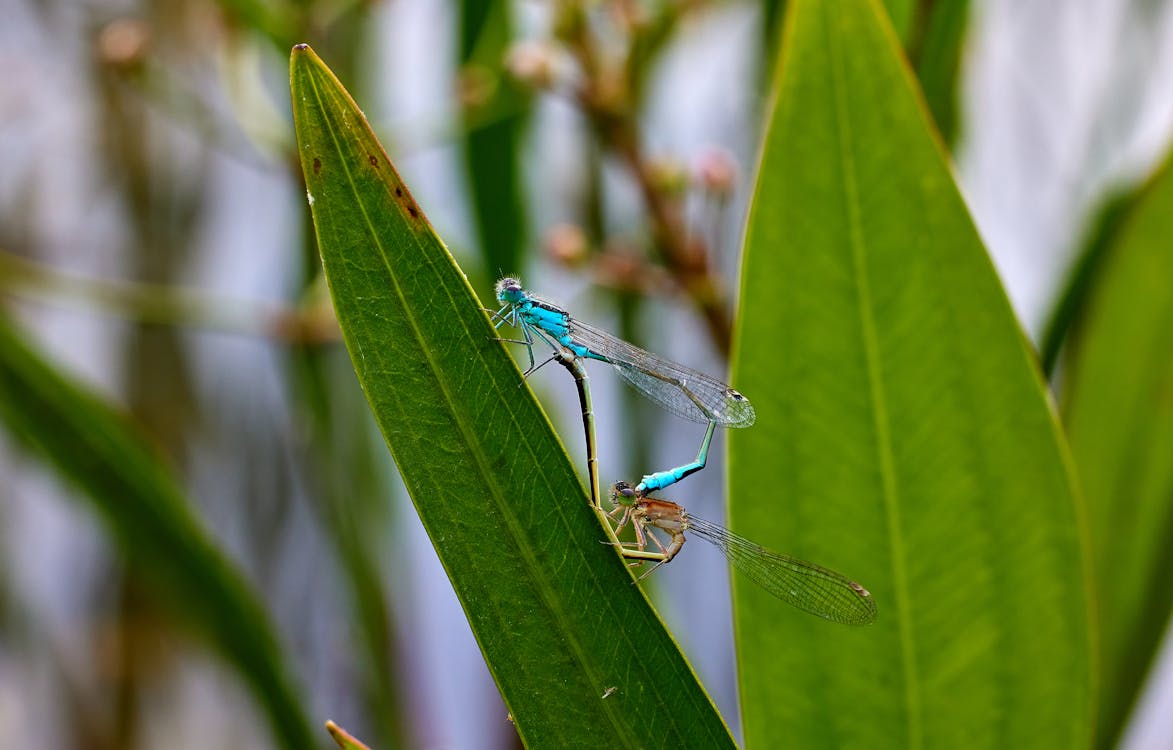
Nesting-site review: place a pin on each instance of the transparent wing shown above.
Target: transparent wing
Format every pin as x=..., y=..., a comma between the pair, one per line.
x=675, y=388
x=809, y=587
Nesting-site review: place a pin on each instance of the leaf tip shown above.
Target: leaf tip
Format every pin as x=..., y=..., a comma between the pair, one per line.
x=302, y=53
x=344, y=739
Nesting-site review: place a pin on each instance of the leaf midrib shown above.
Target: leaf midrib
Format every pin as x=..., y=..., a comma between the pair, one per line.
x=891, y=495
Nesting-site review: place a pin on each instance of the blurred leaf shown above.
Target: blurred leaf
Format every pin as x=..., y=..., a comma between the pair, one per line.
x=276, y=20
x=935, y=49
x=902, y=16
x=1118, y=405
x=345, y=461
x=491, y=141
x=773, y=11
x=1086, y=269
x=553, y=610
x=903, y=434
x=151, y=524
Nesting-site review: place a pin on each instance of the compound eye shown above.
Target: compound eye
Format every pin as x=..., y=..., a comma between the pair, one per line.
x=627, y=492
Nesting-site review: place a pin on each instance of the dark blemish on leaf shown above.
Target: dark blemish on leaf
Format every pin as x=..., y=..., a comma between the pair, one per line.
x=374, y=160
x=317, y=165
x=301, y=47
x=408, y=203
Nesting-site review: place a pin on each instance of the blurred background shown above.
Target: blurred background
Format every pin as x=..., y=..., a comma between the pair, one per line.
x=155, y=243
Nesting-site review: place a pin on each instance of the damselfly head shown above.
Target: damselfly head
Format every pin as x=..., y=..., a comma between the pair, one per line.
x=623, y=493
x=508, y=289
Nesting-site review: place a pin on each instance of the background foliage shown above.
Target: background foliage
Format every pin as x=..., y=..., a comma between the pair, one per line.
x=175, y=368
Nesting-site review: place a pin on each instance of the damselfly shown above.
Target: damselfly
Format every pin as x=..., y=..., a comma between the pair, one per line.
x=809, y=587
x=676, y=388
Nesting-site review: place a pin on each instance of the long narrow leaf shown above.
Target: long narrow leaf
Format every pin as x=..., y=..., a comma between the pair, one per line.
x=903, y=434
x=495, y=116
x=1118, y=406
x=1086, y=269
x=151, y=524
x=935, y=50
x=553, y=610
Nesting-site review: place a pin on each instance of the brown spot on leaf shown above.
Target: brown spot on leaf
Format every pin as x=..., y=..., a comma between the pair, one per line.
x=398, y=192
x=415, y=212
x=374, y=160
x=317, y=165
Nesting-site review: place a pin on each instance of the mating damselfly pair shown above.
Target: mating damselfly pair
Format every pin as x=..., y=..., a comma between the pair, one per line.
x=691, y=395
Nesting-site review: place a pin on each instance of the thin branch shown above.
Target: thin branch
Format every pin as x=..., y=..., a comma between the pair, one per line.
x=603, y=95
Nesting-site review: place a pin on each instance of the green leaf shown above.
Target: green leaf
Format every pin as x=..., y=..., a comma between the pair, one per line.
x=905, y=18
x=903, y=434
x=346, y=462
x=773, y=11
x=495, y=116
x=151, y=524
x=1118, y=406
x=933, y=34
x=1085, y=271
x=935, y=51
x=554, y=611
x=902, y=15
x=277, y=24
